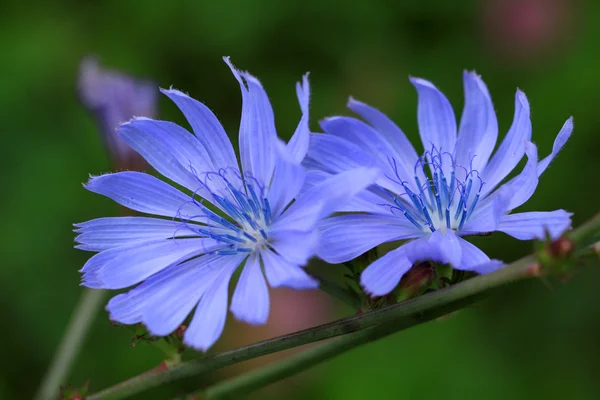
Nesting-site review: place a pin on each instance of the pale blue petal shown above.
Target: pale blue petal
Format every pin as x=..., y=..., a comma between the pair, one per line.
x=486, y=215
x=209, y=318
x=472, y=257
x=491, y=266
x=106, y=233
x=144, y=193
x=298, y=144
x=257, y=128
x=384, y=274
x=169, y=148
x=250, y=302
x=345, y=237
x=208, y=129
x=478, y=130
x=282, y=273
x=288, y=179
x=520, y=189
x=124, y=266
x=332, y=193
x=404, y=150
x=437, y=123
x=559, y=142
x=170, y=304
x=127, y=308
x=535, y=225
x=372, y=200
x=438, y=246
x=512, y=149
x=295, y=246
x=334, y=154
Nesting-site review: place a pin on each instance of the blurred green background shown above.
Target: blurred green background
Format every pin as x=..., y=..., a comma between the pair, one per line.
x=531, y=341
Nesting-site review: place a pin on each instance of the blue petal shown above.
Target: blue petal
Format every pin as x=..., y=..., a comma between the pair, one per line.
x=208, y=129
x=559, y=142
x=209, y=319
x=384, y=274
x=124, y=266
x=512, y=149
x=127, y=308
x=362, y=135
x=295, y=246
x=250, y=302
x=288, y=178
x=282, y=273
x=520, y=189
x=144, y=193
x=438, y=246
x=472, y=257
x=171, y=303
x=372, y=200
x=334, y=154
x=486, y=215
x=348, y=236
x=404, y=150
x=257, y=128
x=331, y=194
x=169, y=148
x=106, y=233
x=437, y=123
x=534, y=225
x=478, y=130
x=298, y=144
x=491, y=266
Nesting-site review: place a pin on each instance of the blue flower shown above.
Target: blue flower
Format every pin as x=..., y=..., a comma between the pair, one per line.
x=228, y=217
x=453, y=189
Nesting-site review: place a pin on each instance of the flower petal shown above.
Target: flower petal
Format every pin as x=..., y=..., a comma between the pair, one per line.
x=534, y=225
x=559, y=142
x=288, y=179
x=520, y=189
x=257, y=128
x=144, y=193
x=169, y=148
x=438, y=246
x=105, y=233
x=348, y=236
x=478, y=130
x=437, y=123
x=170, y=304
x=334, y=154
x=491, y=266
x=124, y=266
x=512, y=149
x=208, y=129
x=250, y=302
x=209, y=319
x=298, y=144
x=472, y=257
x=281, y=272
x=387, y=129
x=295, y=246
x=384, y=274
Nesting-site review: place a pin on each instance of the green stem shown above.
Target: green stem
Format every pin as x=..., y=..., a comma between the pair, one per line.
x=335, y=290
x=397, y=317
x=68, y=349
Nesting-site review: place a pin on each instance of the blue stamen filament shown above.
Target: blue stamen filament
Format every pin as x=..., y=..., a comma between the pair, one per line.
x=245, y=204
x=444, y=201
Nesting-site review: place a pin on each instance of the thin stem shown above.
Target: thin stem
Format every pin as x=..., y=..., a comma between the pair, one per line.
x=397, y=317
x=68, y=349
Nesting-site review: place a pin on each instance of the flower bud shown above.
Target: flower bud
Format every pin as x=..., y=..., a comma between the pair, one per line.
x=416, y=281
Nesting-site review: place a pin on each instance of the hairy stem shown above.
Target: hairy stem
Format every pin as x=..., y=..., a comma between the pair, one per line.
x=68, y=349
x=390, y=319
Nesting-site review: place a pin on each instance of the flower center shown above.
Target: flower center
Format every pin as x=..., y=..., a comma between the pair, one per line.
x=442, y=198
x=248, y=212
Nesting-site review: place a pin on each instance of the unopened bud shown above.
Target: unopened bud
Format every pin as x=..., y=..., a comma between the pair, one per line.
x=561, y=247
x=415, y=281
x=114, y=98
x=70, y=393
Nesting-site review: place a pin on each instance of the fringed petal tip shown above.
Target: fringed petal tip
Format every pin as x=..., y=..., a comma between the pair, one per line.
x=522, y=98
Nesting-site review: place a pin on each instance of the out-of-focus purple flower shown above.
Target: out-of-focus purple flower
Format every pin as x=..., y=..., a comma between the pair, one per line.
x=187, y=259
x=113, y=98
x=454, y=189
